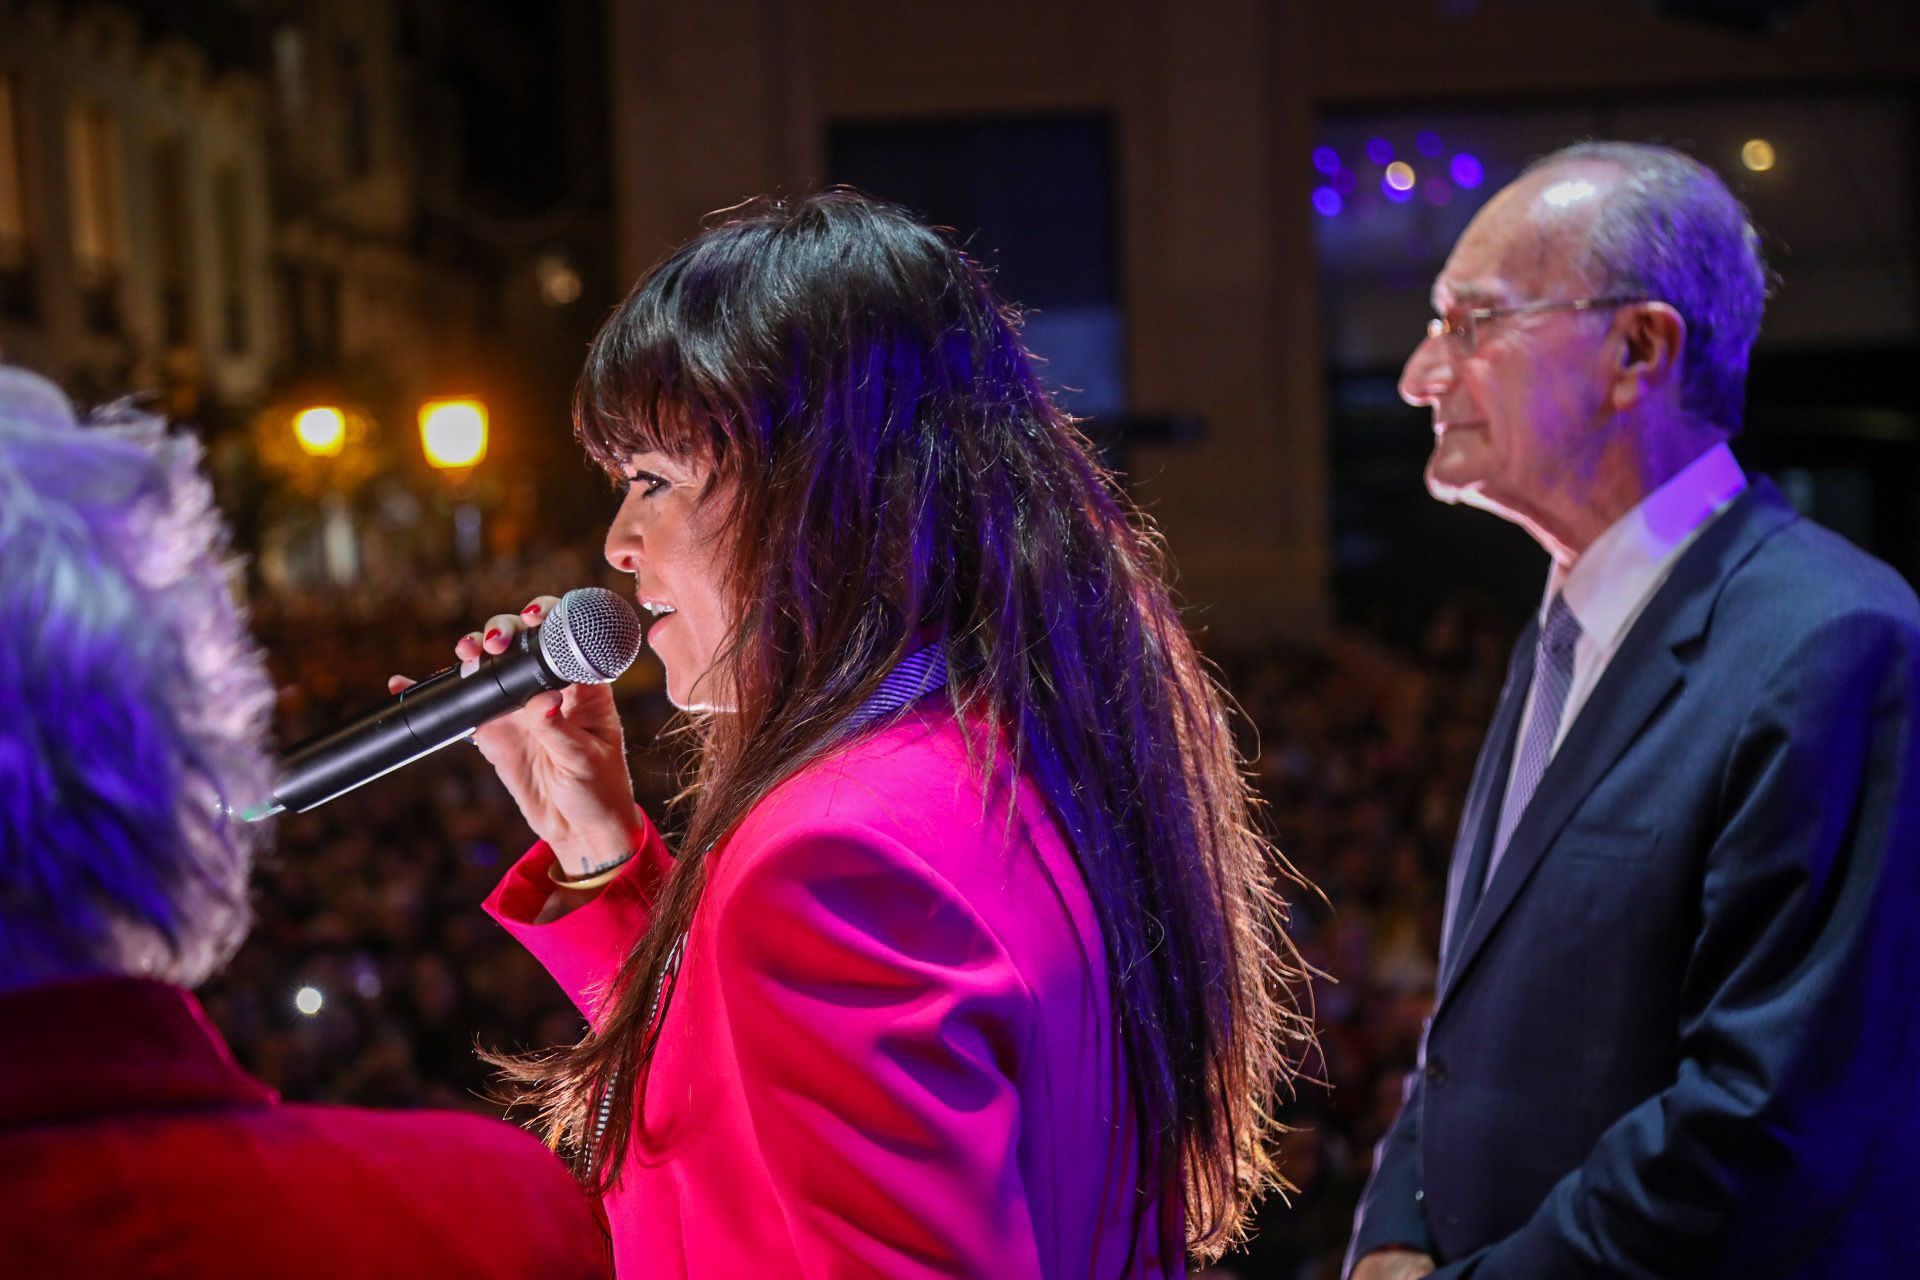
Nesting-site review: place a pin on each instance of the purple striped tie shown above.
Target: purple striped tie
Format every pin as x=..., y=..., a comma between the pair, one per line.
x=1552, y=678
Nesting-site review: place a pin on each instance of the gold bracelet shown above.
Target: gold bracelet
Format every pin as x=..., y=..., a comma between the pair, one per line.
x=594, y=881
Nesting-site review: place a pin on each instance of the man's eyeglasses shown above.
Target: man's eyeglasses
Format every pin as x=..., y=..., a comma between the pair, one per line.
x=1466, y=329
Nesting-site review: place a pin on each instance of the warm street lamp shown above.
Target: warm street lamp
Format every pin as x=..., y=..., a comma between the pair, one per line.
x=453, y=433
x=324, y=468
x=321, y=431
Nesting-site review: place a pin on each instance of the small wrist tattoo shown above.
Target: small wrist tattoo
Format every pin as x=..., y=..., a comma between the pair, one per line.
x=592, y=878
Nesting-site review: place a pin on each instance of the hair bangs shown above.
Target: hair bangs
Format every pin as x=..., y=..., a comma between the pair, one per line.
x=664, y=374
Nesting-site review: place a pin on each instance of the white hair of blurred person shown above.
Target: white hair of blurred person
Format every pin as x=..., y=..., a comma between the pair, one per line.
x=133, y=702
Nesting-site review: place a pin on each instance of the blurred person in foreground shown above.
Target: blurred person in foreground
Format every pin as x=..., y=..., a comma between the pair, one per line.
x=1676, y=1031
x=969, y=960
x=133, y=709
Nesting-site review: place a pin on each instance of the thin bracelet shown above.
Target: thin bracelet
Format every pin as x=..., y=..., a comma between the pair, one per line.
x=594, y=881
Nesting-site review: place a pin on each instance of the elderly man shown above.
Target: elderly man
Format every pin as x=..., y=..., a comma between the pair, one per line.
x=132, y=714
x=1677, y=1031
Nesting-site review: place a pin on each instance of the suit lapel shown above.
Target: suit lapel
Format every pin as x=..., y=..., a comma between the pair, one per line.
x=1646, y=671
x=1472, y=844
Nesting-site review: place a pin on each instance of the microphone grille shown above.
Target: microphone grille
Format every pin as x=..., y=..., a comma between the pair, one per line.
x=592, y=637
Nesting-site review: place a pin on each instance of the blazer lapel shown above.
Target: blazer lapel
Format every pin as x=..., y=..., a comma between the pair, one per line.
x=1471, y=845
x=1646, y=671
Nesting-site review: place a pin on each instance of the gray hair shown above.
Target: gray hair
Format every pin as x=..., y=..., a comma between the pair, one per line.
x=1671, y=231
x=133, y=704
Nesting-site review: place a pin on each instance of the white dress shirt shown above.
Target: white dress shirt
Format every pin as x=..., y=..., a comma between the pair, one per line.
x=1609, y=586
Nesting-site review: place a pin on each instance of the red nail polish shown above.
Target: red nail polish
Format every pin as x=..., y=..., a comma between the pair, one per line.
x=491, y=634
x=531, y=611
x=553, y=712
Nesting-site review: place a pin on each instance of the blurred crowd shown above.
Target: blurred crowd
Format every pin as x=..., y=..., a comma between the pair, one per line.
x=373, y=974
x=1363, y=751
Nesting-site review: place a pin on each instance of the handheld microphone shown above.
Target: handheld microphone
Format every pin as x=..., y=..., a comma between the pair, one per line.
x=591, y=638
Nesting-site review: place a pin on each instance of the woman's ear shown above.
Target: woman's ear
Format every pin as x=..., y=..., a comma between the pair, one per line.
x=1654, y=342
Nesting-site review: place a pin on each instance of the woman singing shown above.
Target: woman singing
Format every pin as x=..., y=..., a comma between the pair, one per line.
x=968, y=961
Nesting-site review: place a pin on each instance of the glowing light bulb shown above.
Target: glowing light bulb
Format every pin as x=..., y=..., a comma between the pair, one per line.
x=1757, y=155
x=308, y=1000
x=322, y=431
x=453, y=432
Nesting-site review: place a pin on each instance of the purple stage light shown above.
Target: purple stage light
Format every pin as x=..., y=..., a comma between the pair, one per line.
x=1327, y=202
x=1438, y=191
x=1394, y=193
x=1380, y=151
x=1427, y=143
x=1467, y=172
x=1326, y=160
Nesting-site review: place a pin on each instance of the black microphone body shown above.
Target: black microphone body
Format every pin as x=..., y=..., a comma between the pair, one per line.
x=592, y=637
x=441, y=709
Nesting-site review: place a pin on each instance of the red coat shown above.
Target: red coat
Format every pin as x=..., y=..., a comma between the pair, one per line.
x=889, y=1051
x=132, y=1145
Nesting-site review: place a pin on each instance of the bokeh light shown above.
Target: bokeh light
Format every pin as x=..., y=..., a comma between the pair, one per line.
x=308, y=1000
x=321, y=430
x=1380, y=151
x=1757, y=155
x=453, y=432
x=1400, y=176
x=1399, y=195
x=1467, y=172
x=559, y=282
x=1427, y=143
x=1327, y=202
x=1438, y=191
x=1326, y=160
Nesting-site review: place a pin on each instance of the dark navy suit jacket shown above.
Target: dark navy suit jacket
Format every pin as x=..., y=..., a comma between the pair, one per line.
x=1679, y=1034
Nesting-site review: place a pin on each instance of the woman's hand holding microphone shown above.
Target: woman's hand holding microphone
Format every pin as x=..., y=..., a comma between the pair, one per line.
x=562, y=756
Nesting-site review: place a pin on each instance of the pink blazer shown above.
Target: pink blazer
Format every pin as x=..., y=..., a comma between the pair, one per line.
x=889, y=1051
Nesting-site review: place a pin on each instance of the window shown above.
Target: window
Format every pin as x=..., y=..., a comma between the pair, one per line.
x=230, y=215
x=290, y=71
x=16, y=262
x=93, y=166
x=357, y=91
x=172, y=220
x=310, y=311
x=1034, y=198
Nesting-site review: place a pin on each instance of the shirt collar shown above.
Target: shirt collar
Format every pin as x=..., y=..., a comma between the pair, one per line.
x=112, y=1044
x=914, y=677
x=1606, y=585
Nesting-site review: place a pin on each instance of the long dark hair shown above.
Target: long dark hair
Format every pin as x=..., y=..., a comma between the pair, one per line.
x=900, y=472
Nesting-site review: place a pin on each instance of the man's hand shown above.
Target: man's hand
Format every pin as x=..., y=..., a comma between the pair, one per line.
x=1392, y=1264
